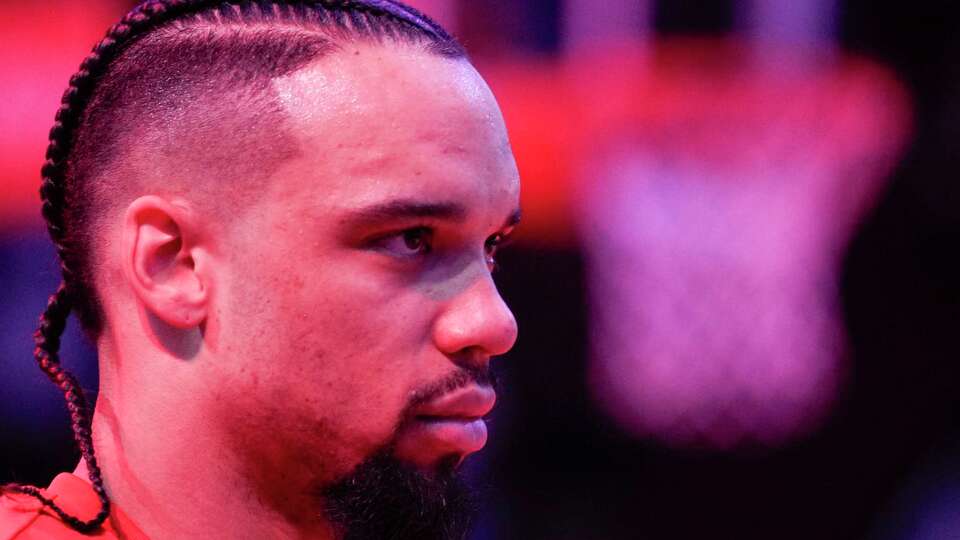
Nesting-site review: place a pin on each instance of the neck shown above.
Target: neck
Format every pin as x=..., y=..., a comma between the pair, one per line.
x=165, y=466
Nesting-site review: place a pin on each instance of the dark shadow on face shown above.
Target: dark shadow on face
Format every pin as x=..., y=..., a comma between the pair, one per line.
x=183, y=344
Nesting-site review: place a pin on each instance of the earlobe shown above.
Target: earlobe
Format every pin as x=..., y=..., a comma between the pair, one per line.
x=158, y=258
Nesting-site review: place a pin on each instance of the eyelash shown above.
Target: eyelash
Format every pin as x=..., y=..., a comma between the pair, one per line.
x=491, y=246
x=422, y=238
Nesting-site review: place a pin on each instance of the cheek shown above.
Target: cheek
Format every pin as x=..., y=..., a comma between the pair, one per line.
x=327, y=360
x=363, y=344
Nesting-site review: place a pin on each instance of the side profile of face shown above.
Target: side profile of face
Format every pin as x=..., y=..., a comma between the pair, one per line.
x=353, y=310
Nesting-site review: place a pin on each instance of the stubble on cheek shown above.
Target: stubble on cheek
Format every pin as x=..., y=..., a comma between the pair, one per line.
x=305, y=422
x=282, y=451
x=323, y=386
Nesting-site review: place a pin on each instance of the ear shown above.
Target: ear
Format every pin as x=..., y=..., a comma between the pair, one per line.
x=160, y=250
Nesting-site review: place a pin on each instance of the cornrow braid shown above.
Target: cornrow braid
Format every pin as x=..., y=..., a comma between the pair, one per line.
x=76, y=290
x=47, y=341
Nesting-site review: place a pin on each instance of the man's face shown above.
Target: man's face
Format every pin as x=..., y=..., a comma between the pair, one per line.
x=357, y=310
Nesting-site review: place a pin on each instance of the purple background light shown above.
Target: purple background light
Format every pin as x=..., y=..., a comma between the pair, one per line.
x=735, y=280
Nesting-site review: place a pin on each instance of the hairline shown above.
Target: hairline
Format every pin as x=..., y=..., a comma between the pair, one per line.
x=125, y=163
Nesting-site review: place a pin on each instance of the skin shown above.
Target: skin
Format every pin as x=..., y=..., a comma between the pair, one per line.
x=244, y=366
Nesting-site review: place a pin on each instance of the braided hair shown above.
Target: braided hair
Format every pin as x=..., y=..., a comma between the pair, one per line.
x=69, y=190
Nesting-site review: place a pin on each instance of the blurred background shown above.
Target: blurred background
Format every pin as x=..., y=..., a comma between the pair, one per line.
x=738, y=303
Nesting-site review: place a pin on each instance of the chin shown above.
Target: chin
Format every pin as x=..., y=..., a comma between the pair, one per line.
x=385, y=497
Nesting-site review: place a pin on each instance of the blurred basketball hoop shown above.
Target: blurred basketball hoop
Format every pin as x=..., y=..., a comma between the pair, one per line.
x=714, y=223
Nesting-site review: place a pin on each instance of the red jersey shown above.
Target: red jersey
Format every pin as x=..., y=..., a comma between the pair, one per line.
x=23, y=517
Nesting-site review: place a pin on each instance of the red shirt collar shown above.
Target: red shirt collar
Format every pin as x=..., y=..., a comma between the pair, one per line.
x=76, y=496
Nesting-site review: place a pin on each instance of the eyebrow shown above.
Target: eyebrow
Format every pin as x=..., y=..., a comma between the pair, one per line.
x=405, y=209
x=411, y=209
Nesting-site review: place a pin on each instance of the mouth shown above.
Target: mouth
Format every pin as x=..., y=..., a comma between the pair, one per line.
x=451, y=425
x=466, y=403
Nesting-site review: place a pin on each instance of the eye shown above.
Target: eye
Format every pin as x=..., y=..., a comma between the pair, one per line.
x=408, y=243
x=492, y=245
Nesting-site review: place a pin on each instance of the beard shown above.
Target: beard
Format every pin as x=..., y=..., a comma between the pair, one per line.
x=386, y=499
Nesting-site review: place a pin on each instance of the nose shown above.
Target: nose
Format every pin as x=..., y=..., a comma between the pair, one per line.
x=476, y=320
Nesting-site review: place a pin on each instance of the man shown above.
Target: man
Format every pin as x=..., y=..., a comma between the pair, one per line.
x=278, y=222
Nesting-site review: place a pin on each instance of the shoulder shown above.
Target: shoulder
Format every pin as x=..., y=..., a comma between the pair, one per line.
x=23, y=517
x=17, y=513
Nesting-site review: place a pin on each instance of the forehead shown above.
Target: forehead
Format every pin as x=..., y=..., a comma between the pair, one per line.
x=374, y=122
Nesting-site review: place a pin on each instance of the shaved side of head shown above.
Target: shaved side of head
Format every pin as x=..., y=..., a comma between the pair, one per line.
x=189, y=111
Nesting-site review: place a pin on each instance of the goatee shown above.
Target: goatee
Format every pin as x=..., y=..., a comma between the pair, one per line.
x=385, y=499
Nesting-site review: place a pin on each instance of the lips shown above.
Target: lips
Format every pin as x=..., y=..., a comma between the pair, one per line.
x=470, y=402
x=449, y=425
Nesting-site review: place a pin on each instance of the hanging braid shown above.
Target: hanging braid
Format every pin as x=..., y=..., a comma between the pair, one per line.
x=66, y=197
x=47, y=340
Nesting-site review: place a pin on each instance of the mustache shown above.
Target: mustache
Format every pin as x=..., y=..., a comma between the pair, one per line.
x=464, y=376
